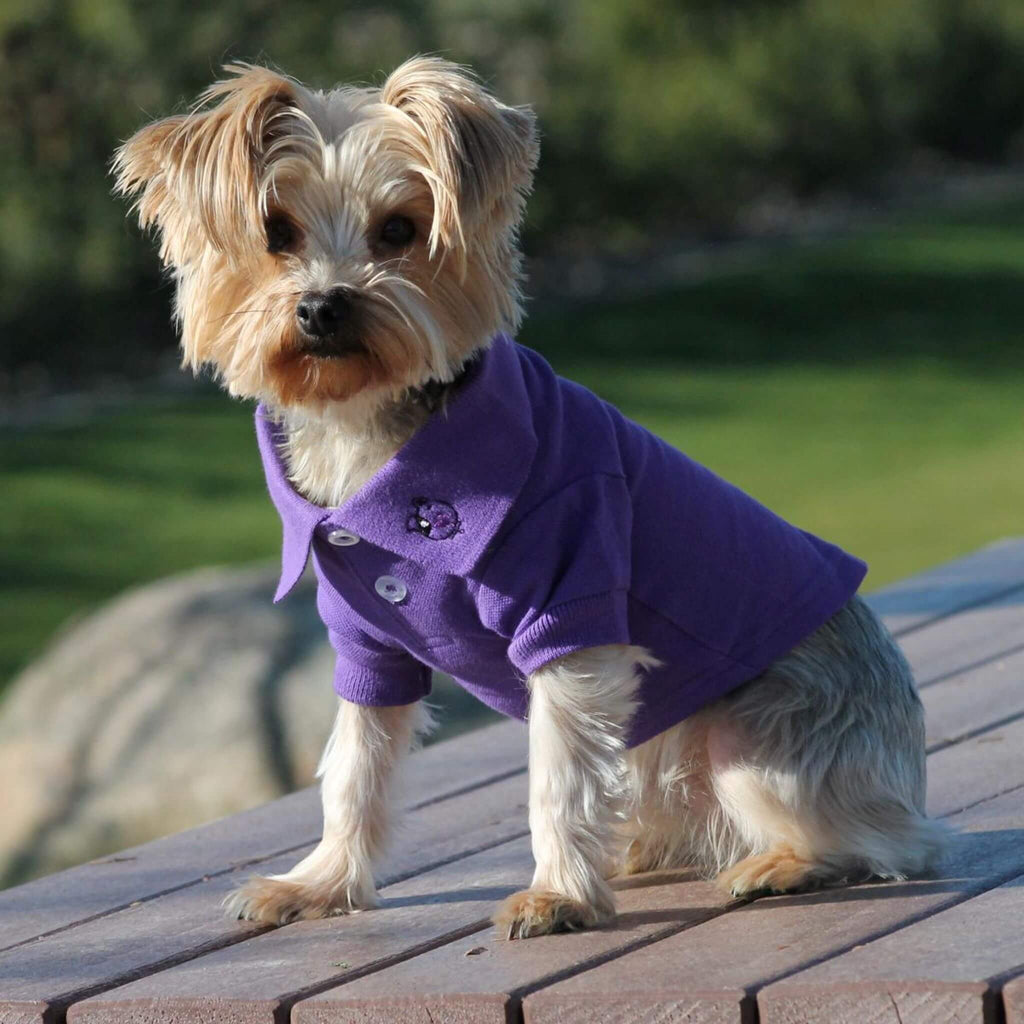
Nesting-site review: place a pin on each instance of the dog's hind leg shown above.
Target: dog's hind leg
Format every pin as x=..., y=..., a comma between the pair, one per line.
x=822, y=772
x=675, y=819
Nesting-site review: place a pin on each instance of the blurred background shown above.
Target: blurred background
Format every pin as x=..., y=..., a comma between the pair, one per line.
x=787, y=235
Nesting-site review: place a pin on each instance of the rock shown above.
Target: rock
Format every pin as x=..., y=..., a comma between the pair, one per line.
x=181, y=701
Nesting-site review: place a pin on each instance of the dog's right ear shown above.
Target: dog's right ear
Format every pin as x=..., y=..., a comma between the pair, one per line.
x=479, y=155
x=196, y=176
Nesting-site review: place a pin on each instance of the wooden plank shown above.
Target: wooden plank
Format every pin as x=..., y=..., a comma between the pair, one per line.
x=973, y=579
x=482, y=978
x=488, y=987
x=984, y=649
x=46, y=975
x=709, y=974
x=947, y=969
x=966, y=640
x=102, y=886
x=975, y=700
x=1013, y=1001
x=976, y=769
x=258, y=980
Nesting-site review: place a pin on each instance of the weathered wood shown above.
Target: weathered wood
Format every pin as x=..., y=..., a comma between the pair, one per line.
x=256, y=981
x=975, y=701
x=409, y=961
x=79, y=894
x=46, y=975
x=966, y=639
x=974, y=579
x=984, y=649
x=713, y=971
x=1013, y=1001
x=482, y=978
x=946, y=969
x=976, y=769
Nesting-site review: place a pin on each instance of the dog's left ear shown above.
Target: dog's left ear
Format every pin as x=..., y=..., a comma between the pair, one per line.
x=197, y=175
x=480, y=154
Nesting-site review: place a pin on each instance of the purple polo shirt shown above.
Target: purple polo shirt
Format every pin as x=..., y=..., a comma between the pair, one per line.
x=531, y=519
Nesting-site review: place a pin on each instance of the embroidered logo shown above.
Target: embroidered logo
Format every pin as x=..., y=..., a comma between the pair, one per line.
x=436, y=520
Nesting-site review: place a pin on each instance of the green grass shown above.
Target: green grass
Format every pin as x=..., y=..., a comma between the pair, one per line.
x=868, y=389
x=90, y=510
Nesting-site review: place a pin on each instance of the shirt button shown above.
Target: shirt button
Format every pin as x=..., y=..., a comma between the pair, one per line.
x=342, y=538
x=391, y=589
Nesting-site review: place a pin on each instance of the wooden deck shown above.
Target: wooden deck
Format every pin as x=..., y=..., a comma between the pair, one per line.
x=139, y=937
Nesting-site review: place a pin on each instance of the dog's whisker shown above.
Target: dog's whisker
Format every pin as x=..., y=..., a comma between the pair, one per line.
x=237, y=312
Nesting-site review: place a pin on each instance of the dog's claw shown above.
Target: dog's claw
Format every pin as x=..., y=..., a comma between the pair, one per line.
x=541, y=912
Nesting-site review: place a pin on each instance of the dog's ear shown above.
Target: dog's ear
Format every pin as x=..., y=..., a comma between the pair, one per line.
x=197, y=175
x=479, y=153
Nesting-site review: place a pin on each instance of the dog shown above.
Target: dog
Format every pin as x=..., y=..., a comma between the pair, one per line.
x=702, y=685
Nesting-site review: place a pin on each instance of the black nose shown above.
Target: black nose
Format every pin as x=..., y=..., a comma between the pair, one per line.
x=320, y=314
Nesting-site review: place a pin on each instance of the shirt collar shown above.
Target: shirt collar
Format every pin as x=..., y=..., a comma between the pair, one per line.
x=473, y=457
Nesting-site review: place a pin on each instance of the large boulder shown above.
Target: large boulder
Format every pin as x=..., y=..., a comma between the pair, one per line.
x=178, y=702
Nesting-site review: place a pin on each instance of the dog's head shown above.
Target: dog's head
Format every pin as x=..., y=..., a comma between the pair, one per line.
x=327, y=245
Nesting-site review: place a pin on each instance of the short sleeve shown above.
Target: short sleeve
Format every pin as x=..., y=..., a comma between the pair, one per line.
x=371, y=673
x=558, y=581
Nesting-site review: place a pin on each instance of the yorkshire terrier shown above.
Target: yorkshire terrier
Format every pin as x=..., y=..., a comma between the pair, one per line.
x=702, y=685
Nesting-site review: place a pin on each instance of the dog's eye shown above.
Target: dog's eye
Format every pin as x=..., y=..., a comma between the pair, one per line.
x=397, y=231
x=280, y=233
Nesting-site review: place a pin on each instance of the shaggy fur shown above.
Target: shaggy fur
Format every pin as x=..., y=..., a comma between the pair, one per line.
x=811, y=774
x=402, y=204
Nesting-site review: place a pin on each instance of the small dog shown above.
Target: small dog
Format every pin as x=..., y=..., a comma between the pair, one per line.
x=703, y=686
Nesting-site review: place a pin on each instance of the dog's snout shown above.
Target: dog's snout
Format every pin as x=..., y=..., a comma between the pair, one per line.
x=321, y=314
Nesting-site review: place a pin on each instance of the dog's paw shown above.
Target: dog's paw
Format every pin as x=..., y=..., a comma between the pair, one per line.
x=281, y=900
x=542, y=912
x=777, y=871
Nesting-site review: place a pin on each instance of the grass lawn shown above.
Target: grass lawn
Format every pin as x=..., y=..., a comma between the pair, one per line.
x=868, y=389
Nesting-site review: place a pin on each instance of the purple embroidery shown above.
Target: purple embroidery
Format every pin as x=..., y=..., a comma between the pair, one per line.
x=436, y=520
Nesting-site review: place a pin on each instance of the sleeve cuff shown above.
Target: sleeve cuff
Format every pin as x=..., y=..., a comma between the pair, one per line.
x=570, y=627
x=402, y=683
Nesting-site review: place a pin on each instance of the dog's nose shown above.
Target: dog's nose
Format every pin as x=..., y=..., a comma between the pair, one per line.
x=320, y=314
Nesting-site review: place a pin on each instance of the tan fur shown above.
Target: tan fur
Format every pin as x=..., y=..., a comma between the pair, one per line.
x=781, y=869
x=580, y=707
x=431, y=144
x=543, y=912
x=357, y=771
x=811, y=774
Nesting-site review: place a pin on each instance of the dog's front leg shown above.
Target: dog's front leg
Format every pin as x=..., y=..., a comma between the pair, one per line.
x=356, y=772
x=580, y=708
